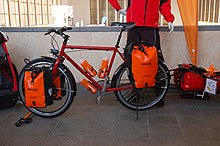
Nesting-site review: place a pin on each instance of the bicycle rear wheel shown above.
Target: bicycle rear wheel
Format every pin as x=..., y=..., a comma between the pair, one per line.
x=147, y=97
x=68, y=89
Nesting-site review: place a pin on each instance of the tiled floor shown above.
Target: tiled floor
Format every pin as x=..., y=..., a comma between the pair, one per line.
x=181, y=122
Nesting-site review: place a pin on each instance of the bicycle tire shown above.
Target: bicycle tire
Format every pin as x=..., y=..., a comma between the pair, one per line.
x=148, y=97
x=59, y=106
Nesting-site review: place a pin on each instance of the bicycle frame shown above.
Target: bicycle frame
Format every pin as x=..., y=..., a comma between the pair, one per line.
x=80, y=69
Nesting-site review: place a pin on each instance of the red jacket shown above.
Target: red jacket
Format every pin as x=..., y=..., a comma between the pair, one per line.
x=146, y=12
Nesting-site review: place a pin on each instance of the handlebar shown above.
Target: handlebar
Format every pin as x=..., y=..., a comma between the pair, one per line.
x=59, y=31
x=128, y=25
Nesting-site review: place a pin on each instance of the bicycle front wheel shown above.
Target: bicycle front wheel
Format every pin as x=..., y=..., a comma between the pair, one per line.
x=147, y=97
x=68, y=89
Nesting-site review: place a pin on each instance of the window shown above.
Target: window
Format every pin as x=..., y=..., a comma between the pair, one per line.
x=93, y=11
x=4, y=13
x=32, y=13
x=101, y=9
x=22, y=13
x=14, y=13
x=209, y=11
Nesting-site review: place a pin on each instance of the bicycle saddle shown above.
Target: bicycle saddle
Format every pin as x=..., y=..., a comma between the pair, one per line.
x=127, y=25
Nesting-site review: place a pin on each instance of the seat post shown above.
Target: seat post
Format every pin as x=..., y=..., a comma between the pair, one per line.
x=119, y=37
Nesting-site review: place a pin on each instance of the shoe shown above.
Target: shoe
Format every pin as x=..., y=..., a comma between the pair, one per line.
x=160, y=103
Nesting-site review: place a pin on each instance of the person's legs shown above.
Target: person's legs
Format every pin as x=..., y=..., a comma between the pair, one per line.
x=152, y=37
x=160, y=56
x=157, y=45
x=133, y=35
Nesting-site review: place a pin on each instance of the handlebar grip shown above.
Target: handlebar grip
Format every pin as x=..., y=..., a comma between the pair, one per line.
x=64, y=29
x=61, y=30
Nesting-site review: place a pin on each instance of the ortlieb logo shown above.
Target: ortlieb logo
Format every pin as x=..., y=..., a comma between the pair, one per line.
x=32, y=89
x=146, y=63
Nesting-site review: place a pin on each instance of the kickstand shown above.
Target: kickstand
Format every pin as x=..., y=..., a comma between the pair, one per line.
x=137, y=95
x=25, y=119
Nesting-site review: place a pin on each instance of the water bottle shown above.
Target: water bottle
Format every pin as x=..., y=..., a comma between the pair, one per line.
x=88, y=68
x=103, y=68
x=88, y=86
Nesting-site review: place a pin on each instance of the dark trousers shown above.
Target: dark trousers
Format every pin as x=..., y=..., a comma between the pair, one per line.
x=148, y=35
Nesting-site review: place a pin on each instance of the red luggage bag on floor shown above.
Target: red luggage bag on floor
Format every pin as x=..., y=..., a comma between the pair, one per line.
x=189, y=78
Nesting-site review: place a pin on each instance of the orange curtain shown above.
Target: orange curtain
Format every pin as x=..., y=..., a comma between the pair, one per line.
x=189, y=14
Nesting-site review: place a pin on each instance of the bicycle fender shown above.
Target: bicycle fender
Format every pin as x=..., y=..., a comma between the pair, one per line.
x=113, y=78
x=53, y=59
x=165, y=66
x=49, y=58
x=123, y=64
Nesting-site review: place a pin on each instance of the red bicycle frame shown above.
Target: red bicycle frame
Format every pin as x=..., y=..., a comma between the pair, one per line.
x=114, y=50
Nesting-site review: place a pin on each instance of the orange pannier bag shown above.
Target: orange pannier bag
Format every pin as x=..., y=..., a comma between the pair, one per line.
x=144, y=66
x=142, y=61
x=58, y=87
x=38, y=88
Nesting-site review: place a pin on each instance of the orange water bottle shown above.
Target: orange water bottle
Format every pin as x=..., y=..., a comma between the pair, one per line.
x=88, y=86
x=103, y=68
x=88, y=68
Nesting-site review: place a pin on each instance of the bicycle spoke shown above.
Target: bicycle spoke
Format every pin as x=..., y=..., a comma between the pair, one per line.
x=147, y=97
x=72, y=91
x=131, y=96
x=63, y=89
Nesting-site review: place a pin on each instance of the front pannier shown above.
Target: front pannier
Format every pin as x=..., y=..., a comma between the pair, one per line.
x=38, y=87
x=58, y=87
